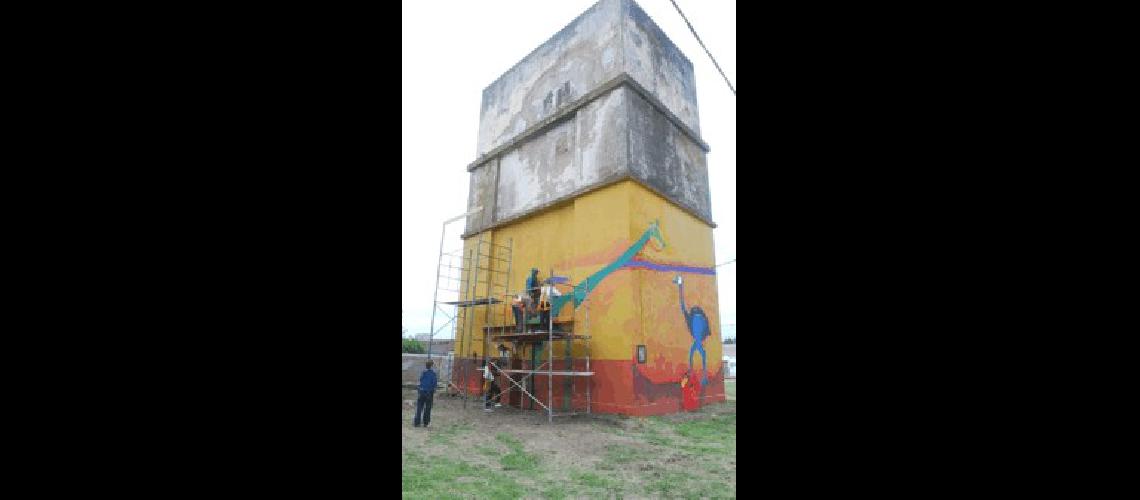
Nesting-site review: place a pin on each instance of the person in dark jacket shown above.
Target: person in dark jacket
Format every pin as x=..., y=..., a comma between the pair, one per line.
x=428, y=381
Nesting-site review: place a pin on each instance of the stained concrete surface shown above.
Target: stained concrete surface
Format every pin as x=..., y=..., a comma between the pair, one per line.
x=608, y=97
x=613, y=37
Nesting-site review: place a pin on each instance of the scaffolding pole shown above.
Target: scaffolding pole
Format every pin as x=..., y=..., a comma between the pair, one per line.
x=473, y=264
x=467, y=328
x=435, y=295
x=483, y=269
x=550, y=368
x=479, y=267
x=487, y=311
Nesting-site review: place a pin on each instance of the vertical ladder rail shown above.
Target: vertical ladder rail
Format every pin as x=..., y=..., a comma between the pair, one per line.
x=568, y=384
x=487, y=308
x=506, y=300
x=467, y=321
x=550, y=370
x=435, y=296
x=471, y=297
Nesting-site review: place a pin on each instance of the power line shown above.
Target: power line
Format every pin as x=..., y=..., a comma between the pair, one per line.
x=730, y=87
x=726, y=263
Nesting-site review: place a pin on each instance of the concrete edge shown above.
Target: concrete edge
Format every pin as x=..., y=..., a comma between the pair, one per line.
x=609, y=181
x=622, y=78
x=542, y=45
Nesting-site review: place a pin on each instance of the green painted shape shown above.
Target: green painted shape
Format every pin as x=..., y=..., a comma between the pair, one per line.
x=584, y=288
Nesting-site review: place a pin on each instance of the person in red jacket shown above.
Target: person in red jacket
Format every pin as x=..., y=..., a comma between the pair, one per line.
x=690, y=392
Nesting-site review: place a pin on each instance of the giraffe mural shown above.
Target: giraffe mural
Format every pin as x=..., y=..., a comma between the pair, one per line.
x=588, y=285
x=696, y=320
x=627, y=265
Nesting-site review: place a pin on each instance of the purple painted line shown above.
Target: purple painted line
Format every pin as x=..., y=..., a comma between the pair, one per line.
x=665, y=267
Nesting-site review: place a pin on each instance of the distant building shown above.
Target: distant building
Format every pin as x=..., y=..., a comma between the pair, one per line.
x=438, y=346
x=729, y=359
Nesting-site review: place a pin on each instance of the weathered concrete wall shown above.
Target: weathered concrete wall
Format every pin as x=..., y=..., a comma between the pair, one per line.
x=587, y=148
x=537, y=172
x=574, y=61
x=612, y=38
x=412, y=365
x=603, y=146
x=618, y=135
x=607, y=98
x=482, y=191
x=665, y=159
x=658, y=65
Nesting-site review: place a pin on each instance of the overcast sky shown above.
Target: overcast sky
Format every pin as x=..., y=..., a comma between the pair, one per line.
x=453, y=49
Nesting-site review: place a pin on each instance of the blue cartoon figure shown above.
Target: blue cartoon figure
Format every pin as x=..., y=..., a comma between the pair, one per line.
x=699, y=328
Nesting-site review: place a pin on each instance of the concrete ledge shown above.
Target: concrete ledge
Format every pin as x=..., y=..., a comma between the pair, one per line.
x=569, y=110
x=576, y=193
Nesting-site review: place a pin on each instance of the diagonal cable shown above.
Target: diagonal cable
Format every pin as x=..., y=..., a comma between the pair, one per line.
x=730, y=87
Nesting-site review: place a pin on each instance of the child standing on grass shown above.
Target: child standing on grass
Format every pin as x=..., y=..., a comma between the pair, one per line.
x=427, y=386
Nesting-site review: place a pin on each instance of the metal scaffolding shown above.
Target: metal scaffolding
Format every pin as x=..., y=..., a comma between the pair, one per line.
x=470, y=286
x=484, y=277
x=444, y=281
x=458, y=276
x=556, y=329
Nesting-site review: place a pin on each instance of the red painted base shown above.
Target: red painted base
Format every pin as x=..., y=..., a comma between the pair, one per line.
x=618, y=386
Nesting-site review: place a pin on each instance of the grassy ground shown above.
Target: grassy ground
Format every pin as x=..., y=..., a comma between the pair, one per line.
x=730, y=389
x=515, y=454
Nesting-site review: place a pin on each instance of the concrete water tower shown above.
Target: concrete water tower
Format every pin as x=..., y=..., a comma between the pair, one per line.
x=590, y=166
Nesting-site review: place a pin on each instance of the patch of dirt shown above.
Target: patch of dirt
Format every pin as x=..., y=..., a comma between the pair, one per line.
x=569, y=443
x=578, y=443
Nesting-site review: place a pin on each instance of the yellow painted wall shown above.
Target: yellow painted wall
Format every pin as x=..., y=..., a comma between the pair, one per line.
x=689, y=242
x=630, y=306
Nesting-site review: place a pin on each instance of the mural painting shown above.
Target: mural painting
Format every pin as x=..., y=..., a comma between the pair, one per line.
x=689, y=392
x=664, y=380
x=634, y=289
x=698, y=325
x=586, y=286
